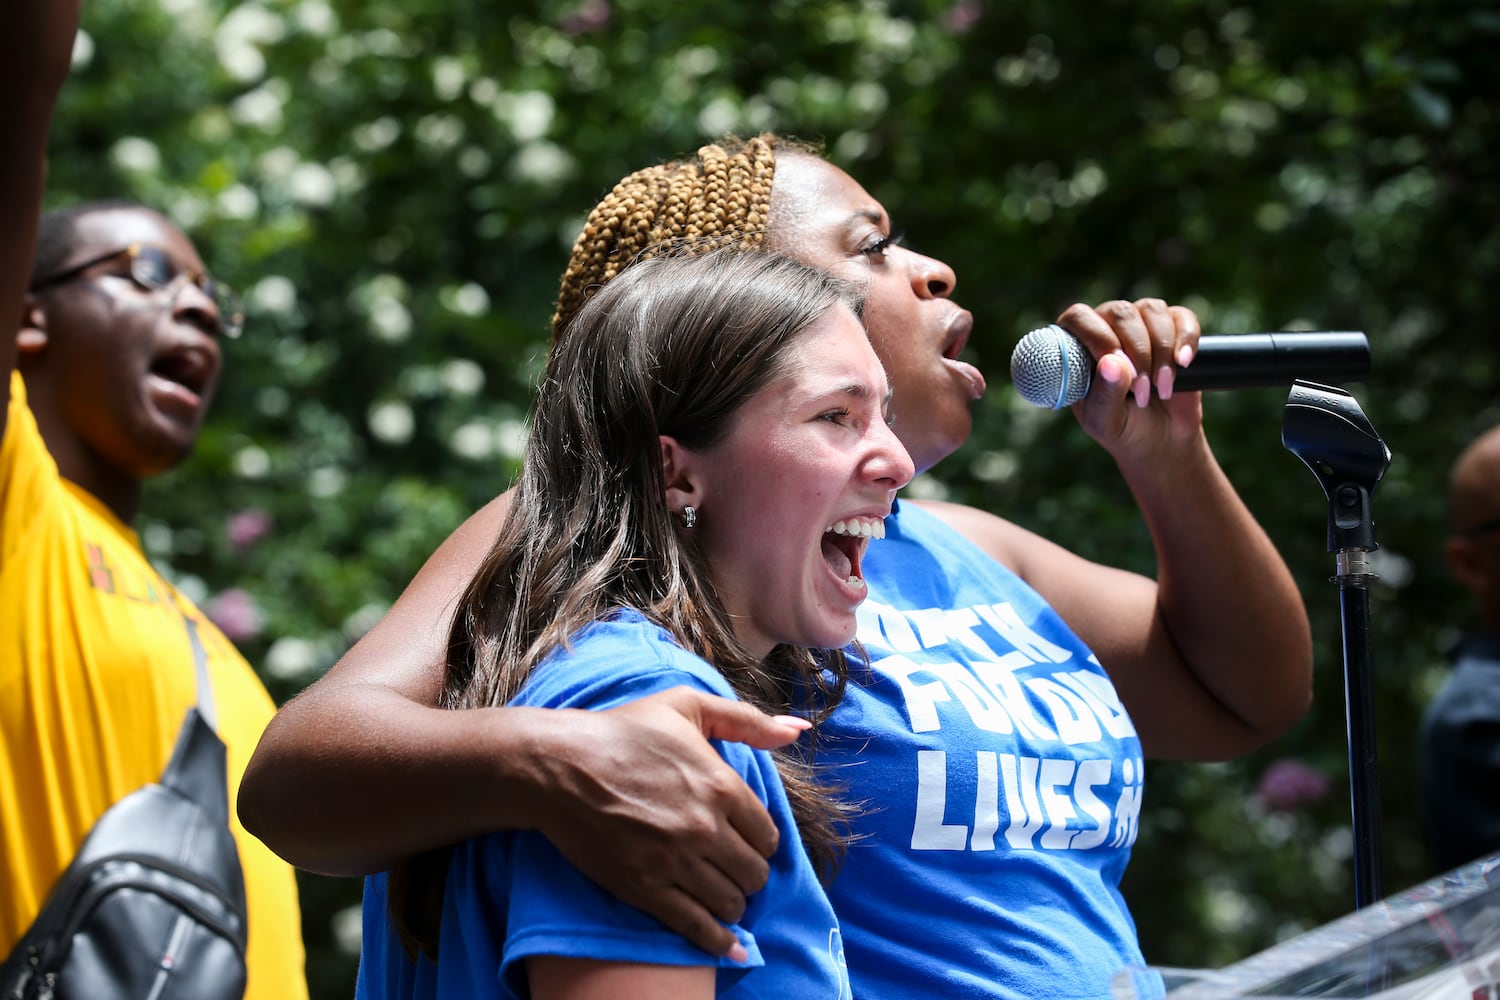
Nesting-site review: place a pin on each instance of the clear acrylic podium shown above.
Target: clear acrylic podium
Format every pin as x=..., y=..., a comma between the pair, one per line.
x=1436, y=941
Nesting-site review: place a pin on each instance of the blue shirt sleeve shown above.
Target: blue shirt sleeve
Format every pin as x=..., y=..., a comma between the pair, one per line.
x=511, y=896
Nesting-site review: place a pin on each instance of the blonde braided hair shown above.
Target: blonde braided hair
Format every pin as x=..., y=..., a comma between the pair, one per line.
x=721, y=198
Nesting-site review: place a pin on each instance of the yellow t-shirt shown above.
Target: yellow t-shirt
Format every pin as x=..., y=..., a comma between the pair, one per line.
x=96, y=675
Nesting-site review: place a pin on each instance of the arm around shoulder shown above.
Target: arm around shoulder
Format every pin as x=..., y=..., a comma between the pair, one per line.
x=362, y=771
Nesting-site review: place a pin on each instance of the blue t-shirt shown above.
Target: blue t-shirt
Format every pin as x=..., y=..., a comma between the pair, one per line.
x=511, y=895
x=1003, y=779
x=1459, y=756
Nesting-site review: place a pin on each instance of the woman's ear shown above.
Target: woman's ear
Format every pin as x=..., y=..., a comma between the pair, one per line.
x=31, y=338
x=679, y=475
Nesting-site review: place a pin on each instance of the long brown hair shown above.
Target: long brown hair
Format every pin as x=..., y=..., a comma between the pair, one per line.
x=674, y=346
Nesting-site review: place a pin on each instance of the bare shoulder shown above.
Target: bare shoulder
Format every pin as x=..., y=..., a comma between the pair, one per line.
x=1063, y=577
x=1004, y=541
x=407, y=649
x=461, y=552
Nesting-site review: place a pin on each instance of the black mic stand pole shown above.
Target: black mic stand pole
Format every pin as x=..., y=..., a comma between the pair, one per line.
x=1326, y=429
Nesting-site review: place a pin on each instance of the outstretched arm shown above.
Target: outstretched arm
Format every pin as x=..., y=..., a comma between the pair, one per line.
x=36, y=43
x=361, y=770
x=1213, y=658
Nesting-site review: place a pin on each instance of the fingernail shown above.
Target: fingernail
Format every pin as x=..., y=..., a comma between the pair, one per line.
x=1111, y=372
x=739, y=954
x=1164, y=377
x=1142, y=389
x=794, y=721
x=1184, y=355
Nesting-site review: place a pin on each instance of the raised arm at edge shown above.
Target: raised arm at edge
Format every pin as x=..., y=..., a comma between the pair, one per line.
x=36, y=43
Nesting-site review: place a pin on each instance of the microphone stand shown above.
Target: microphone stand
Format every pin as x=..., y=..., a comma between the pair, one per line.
x=1326, y=429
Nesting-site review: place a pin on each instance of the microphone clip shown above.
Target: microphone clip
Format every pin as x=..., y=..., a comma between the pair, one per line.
x=1324, y=427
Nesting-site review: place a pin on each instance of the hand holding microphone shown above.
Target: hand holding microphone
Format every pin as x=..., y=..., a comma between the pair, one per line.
x=1051, y=368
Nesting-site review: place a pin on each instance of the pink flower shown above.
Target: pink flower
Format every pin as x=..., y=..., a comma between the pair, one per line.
x=246, y=527
x=962, y=16
x=591, y=15
x=236, y=614
x=1289, y=784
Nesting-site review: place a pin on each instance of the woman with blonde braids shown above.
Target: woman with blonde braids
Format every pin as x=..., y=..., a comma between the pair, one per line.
x=719, y=200
x=1008, y=695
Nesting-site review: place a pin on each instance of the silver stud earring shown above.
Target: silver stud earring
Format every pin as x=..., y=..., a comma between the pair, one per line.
x=689, y=516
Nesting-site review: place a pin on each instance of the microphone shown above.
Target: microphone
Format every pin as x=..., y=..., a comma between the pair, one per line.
x=1050, y=367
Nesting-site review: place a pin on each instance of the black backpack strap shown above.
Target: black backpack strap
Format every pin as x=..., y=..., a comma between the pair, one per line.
x=198, y=768
x=155, y=893
x=200, y=668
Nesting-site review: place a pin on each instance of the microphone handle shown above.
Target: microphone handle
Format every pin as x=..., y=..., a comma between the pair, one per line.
x=1265, y=360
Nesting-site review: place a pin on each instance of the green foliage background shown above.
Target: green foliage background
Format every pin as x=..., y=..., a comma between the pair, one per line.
x=395, y=186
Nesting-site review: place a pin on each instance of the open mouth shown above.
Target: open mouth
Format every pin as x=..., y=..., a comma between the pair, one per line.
x=958, y=336
x=844, y=544
x=190, y=368
x=958, y=339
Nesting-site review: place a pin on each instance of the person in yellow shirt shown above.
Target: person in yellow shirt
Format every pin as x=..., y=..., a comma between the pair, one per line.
x=110, y=373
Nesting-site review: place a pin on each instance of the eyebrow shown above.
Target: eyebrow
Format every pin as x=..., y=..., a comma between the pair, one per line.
x=859, y=390
x=869, y=214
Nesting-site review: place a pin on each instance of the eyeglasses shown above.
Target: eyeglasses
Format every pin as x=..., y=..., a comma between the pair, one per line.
x=154, y=271
x=1493, y=524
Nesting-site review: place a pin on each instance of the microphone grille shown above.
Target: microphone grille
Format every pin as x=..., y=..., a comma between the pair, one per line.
x=1051, y=368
